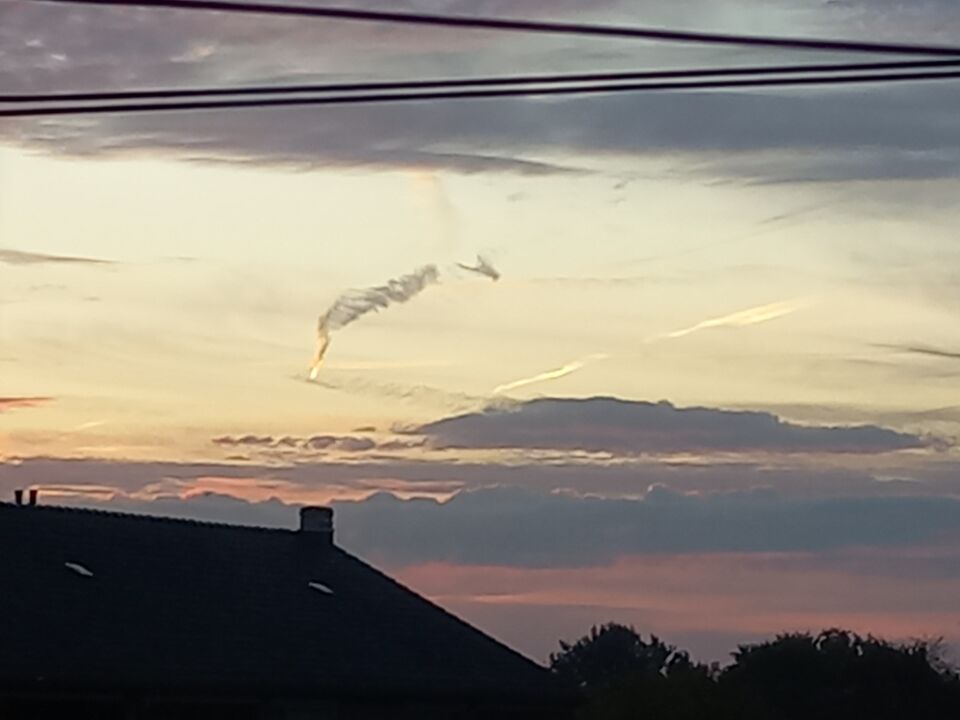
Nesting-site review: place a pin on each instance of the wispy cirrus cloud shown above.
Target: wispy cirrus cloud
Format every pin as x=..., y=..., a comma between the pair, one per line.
x=922, y=350
x=23, y=257
x=17, y=403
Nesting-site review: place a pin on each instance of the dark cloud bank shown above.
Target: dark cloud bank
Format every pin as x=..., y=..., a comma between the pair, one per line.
x=839, y=134
x=621, y=426
x=569, y=512
x=517, y=527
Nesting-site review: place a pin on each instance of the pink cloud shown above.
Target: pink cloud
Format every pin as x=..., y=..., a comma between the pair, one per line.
x=695, y=599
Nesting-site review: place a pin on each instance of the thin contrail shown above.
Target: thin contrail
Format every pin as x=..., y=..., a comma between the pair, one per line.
x=354, y=304
x=561, y=372
x=743, y=318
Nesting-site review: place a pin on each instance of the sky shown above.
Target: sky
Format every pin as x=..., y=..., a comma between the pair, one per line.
x=713, y=394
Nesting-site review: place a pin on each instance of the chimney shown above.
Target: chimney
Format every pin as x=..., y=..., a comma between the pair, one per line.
x=318, y=521
x=18, y=497
x=33, y=496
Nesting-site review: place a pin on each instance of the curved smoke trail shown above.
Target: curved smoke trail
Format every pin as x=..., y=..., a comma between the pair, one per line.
x=354, y=304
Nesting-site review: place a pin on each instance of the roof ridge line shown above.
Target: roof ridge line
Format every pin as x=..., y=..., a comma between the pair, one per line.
x=160, y=519
x=453, y=616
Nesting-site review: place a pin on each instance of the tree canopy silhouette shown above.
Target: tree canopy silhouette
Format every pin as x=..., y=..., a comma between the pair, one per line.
x=611, y=652
x=620, y=673
x=839, y=674
x=833, y=675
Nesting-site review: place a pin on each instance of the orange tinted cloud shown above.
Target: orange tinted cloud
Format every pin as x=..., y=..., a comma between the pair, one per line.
x=16, y=403
x=252, y=490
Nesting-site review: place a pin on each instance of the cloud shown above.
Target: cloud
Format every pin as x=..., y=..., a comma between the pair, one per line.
x=813, y=134
x=628, y=427
x=204, y=506
x=16, y=403
x=348, y=444
x=535, y=567
x=891, y=593
x=923, y=350
x=516, y=527
x=246, y=441
x=21, y=257
x=768, y=137
x=687, y=451
x=424, y=394
x=292, y=478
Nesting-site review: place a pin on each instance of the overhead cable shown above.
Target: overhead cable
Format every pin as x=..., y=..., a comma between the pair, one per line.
x=474, y=94
x=531, y=26
x=489, y=81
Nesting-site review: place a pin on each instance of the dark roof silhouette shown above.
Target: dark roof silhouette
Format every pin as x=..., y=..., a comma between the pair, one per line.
x=104, y=600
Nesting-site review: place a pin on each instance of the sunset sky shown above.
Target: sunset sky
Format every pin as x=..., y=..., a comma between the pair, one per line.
x=742, y=308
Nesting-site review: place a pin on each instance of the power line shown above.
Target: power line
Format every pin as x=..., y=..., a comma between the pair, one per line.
x=508, y=80
x=386, y=98
x=531, y=26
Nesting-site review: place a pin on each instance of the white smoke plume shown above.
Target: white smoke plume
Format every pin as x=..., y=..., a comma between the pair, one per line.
x=354, y=304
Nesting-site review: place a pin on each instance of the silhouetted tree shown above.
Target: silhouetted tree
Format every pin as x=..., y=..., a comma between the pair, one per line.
x=691, y=693
x=611, y=652
x=624, y=676
x=838, y=674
